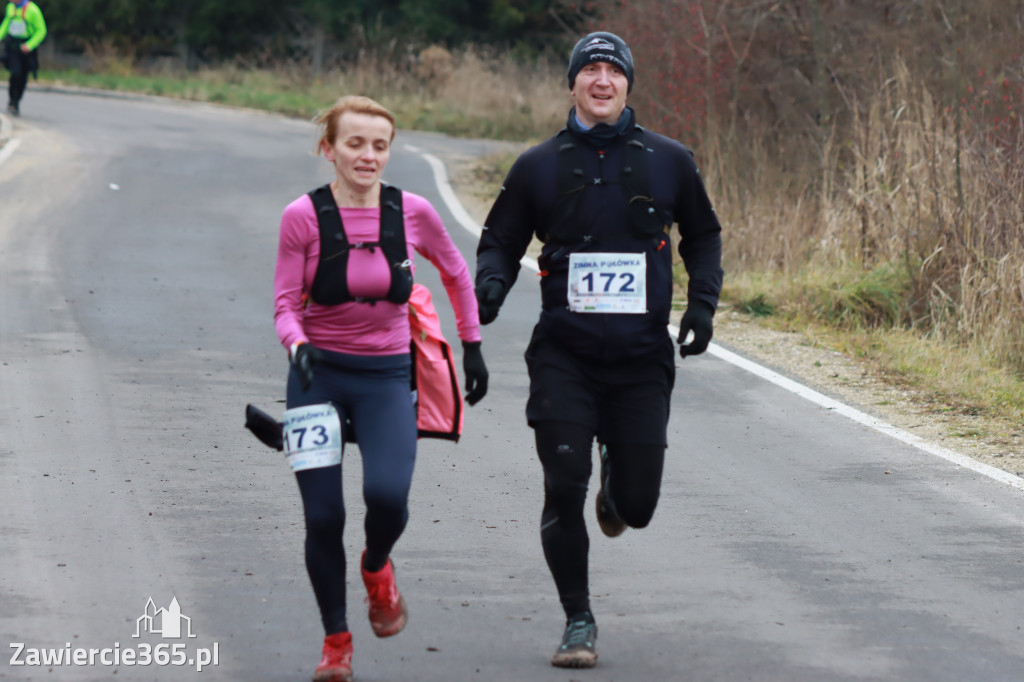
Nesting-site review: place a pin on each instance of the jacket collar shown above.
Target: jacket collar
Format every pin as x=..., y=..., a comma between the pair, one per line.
x=603, y=133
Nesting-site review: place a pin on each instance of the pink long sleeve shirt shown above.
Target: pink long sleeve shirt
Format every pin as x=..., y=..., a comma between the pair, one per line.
x=361, y=328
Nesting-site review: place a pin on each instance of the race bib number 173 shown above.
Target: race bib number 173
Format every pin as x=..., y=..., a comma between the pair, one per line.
x=608, y=283
x=312, y=437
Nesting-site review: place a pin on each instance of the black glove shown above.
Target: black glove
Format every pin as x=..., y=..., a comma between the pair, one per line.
x=304, y=357
x=697, y=319
x=489, y=297
x=264, y=427
x=476, y=371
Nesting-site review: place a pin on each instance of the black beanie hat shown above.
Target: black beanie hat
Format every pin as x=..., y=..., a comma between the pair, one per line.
x=601, y=47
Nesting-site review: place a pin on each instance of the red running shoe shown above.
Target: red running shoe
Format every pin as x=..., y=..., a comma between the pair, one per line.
x=388, y=613
x=336, y=664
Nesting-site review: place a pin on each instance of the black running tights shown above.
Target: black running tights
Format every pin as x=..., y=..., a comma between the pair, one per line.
x=16, y=87
x=565, y=452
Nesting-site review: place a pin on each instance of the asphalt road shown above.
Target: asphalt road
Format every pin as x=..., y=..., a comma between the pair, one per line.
x=137, y=243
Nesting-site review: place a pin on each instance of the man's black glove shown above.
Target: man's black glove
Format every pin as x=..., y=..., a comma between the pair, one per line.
x=476, y=371
x=489, y=297
x=697, y=319
x=303, y=358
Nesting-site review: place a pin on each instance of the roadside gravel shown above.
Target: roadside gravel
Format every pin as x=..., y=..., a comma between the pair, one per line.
x=797, y=356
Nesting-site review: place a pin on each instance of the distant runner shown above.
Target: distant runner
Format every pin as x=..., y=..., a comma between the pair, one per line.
x=21, y=32
x=602, y=195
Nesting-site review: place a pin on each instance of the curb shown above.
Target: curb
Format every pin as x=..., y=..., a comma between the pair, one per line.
x=143, y=97
x=102, y=92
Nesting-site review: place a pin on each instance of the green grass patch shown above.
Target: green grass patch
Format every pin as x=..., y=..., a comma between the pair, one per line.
x=758, y=306
x=264, y=93
x=861, y=316
x=283, y=92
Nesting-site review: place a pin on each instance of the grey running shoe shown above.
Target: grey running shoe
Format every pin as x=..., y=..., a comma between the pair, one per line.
x=611, y=524
x=577, y=649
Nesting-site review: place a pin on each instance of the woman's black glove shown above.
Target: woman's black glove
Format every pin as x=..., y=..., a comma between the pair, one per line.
x=476, y=371
x=697, y=319
x=489, y=297
x=303, y=358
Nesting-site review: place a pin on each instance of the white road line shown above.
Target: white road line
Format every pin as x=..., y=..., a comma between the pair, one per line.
x=454, y=205
x=866, y=419
x=8, y=149
x=460, y=214
x=11, y=144
x=447, y=193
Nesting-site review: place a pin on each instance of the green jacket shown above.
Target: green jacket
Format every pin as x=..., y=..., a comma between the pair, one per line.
x=25, y=23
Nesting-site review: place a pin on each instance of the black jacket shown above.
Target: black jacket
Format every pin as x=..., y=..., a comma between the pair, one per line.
x=530, y=202
x=17, y=62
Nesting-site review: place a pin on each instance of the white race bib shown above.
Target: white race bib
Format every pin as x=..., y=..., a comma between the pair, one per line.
x=312, y=437
x=17, y=28
x=608, y=283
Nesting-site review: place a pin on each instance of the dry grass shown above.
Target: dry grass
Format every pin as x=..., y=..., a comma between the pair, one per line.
x=471, y=92
x=907, y=246
x=475, y=92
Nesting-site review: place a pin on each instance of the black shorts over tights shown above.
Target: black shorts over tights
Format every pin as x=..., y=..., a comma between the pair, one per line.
x=623, y=402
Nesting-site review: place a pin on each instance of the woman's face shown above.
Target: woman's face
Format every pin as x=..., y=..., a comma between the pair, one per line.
x=361, y=149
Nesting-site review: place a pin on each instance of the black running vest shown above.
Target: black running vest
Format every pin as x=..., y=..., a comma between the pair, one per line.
x=642, y=217
x=330, y=285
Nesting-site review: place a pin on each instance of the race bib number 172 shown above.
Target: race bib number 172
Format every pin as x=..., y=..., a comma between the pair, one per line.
x=608, y=283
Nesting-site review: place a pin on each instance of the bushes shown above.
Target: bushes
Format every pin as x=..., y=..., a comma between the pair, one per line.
x=884, y=182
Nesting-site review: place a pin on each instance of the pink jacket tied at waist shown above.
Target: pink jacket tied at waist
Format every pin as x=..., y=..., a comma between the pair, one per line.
x=438, y=398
